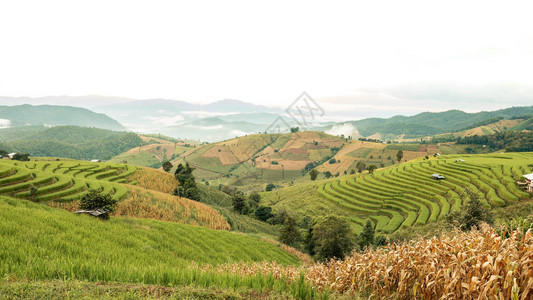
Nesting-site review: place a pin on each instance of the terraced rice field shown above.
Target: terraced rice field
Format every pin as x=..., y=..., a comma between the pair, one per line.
x=406, y=195
x=62, y=180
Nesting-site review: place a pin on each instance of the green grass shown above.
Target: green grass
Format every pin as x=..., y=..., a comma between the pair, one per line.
x=43, y=245
x=62, y=180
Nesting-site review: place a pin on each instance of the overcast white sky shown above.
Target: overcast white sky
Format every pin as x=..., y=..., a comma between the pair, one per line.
x=405, y=56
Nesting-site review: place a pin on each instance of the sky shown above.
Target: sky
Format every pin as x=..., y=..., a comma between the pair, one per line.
x=377, y=56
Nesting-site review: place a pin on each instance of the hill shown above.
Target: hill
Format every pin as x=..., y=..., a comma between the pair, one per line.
x=405, y=195
x=62, y=183
x=36, y=239
x=490, y=126
x=252, y=161
x=53, y=115
x=423, y=124
x=154, y=151
x=70, y=142
x=255, y=160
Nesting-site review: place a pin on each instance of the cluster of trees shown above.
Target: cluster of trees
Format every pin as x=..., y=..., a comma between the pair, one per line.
x=327, y=237
x=512, y=141
x=17, y=156
x=187, y=183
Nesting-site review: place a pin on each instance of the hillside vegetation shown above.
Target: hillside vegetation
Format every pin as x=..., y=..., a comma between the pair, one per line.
x=40, y=242
x=62, y=183
x=405, y=195
x=428, y=123
x=55, y=115
x=70, y=142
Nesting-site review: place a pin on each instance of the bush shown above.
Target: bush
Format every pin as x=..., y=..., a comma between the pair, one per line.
x=94, y=199
x=270, y=187
x=264, y=213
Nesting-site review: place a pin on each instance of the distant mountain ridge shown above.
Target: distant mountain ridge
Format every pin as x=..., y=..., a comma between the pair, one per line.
x=424, y=124
x=54, y=115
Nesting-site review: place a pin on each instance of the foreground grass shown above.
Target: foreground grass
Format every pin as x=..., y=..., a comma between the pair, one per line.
x=39, y=242
x=11, y=288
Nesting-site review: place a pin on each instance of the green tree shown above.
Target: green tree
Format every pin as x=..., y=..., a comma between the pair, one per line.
x=371, y=168
x=352, y=171
x=179, y=191
x=366, y=238
x=270, y=187
x=399, y=155
x=332, y=238
x=167, y=166
x=94, y=199
x=21, y=157
x=361, y=166
x=192, y=193
x=289, y=234
x=328, y=174
x=313, y=174
x=264, y=213
x=309, y=241
x=255, y=197
x=239, y=202
x=295, y=129
x=472, y=214
x=33, y=192
x=183, y=172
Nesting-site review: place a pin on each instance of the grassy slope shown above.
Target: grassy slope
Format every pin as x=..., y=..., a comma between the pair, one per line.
x=498, y=171
x=46, y=243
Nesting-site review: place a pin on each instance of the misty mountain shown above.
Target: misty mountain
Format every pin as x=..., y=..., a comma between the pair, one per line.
x=423, y=124
x=53, y=115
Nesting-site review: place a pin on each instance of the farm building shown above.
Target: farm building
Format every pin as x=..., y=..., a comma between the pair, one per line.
x=437, y=176
x=528, y=183
x=96, y=160
x=10, y=155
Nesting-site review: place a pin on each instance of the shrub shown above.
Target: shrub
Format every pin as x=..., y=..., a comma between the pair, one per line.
x=264, y=213
x=94, y=199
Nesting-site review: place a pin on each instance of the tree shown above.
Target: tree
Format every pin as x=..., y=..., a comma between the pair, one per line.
x=183, y=172
x=255, y=197
x=192, y=193
x=352, y=171
x=332, y=238
x=371, y=168
x=328, y=174
x=179, y=191
x=313, y=174
x=94, y=199
x=289, y=234
x=309, y=241
x=332, y=161
x=361, y=166
x=167, y=166
x=270, y=187
x=295, y=129
x=33, y=192
x=239, y=202
x=472, y=214
x=366, y=238
x=21, y=157
x=264, y=213
x=399, y=155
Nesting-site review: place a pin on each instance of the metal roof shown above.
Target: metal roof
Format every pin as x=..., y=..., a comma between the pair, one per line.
x=528, y=176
